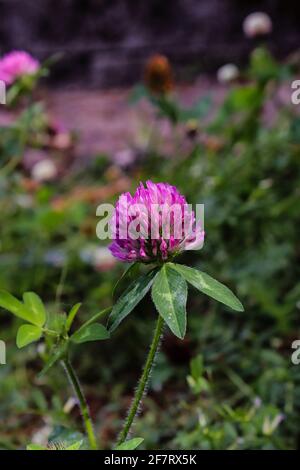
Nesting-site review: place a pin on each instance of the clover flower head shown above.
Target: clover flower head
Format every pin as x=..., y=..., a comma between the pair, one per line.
x=257, y=24
x=16, y=64
x=154, y=225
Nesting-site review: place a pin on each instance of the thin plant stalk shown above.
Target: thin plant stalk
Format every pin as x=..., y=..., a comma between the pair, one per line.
x=82, y=403
x=143, y=380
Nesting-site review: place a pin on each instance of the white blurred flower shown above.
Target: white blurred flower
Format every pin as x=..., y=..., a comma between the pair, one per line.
x=269, y=426
x=45, y=170
x=227, y=73
x=55, y=258
x=87, y=253
x=97, y=256
x=69, y=405
x=202, y=419
x=41, y=348
x=103, y=256
x=25, y=201
x=41, y=436
x=266, y=183
x=257, y=402
x=257, y=24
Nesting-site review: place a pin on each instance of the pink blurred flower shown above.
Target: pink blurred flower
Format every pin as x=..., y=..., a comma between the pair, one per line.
x=155, y=224
x=16, y=64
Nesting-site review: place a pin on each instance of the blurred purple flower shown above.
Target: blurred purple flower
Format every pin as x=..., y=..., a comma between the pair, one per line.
x=124, y=158
x=16, y=64
x=154, y=225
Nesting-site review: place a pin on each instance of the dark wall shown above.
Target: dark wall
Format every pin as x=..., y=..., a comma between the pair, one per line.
x=105, y=42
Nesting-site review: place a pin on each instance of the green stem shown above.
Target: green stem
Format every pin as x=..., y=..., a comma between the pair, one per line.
x=143, y=380
x=82, y=403
x=95, y=317
x=52, y=333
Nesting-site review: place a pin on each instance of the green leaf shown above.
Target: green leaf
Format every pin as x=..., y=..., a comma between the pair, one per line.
x=13, y=305
x=168, y=108
x=198, y=111
x=75, y=446
x=56, y=354
x=57, y=322
x=138, y=92
x=209, y=286
x=72, y=315
x=34, y=303
x=90, y=333
x=130, y=298
x=62, y=438
x=28, y=334
x=169, y=294
x=131, y=444
x=127, y=277
x=35, y=447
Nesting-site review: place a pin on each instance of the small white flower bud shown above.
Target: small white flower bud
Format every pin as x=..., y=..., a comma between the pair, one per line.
x=257, y=24
x=45, y=170
x=227, y=73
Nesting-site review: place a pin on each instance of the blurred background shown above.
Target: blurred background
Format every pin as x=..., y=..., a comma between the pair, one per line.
x=197, y=94
x=106, y=43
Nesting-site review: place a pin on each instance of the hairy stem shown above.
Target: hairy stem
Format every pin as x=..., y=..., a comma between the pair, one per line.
x=82, y=403
x=143, y=380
